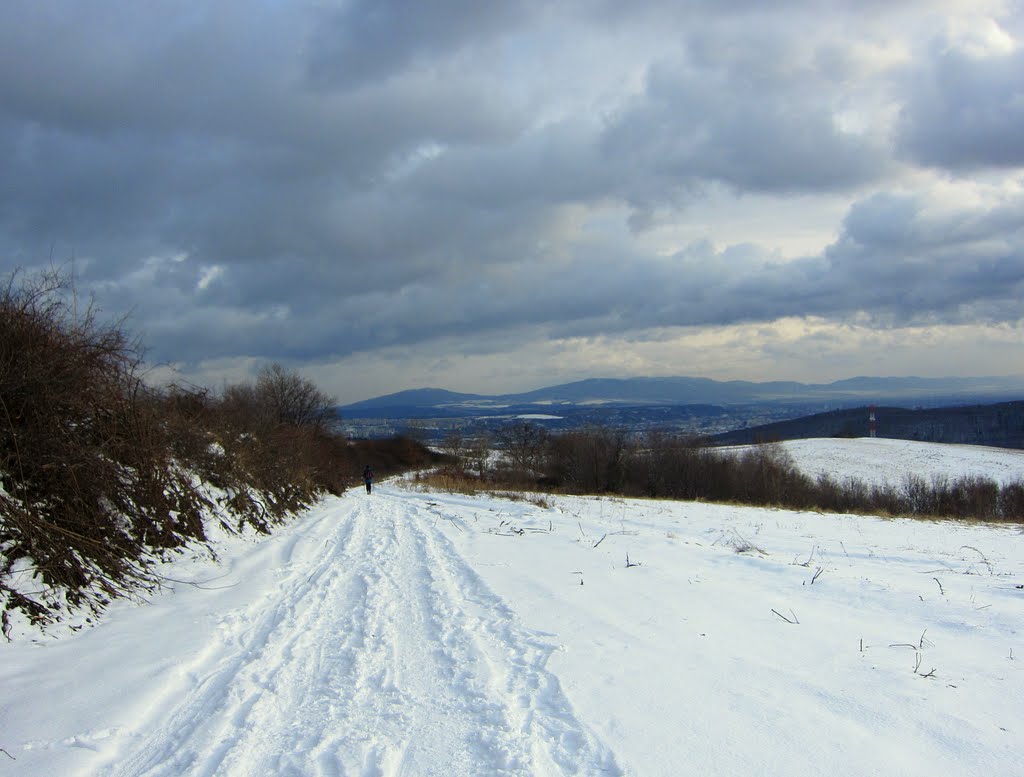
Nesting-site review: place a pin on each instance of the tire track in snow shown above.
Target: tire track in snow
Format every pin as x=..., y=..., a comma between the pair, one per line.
x=387, y=655
x=502, y=665
x=255, y=666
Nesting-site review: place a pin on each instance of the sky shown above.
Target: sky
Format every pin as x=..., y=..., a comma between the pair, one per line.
x=495, y=197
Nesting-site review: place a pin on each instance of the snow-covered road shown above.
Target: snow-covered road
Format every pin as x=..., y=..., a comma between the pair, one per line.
x=378, y=652
x=414, y=633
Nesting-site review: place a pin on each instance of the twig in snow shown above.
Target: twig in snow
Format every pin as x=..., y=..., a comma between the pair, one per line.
x=983, y=559
x=200, y=586
x=940, y=585
x=738, y=543
x=632, y=563
x=917, y=665
x=817, y=574
x=787, y=620
x=600, y=540
x=513, y=531
x=920, y=642
x=809, y=558
x=8, y=754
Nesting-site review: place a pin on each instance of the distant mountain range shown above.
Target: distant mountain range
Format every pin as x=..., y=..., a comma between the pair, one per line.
x=681, y=391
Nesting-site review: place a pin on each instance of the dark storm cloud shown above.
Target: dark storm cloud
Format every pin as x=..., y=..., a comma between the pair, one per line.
x=913, y=260
x=373, y=39
x=293, y=180
x=751, y=130
x=965, y=111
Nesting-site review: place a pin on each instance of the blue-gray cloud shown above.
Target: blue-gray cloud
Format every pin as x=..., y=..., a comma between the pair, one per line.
x=963, y=112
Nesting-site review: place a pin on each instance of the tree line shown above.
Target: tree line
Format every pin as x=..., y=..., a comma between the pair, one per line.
x=603, y=460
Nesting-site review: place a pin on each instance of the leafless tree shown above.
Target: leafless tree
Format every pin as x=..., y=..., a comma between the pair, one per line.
x=293, y=399
x=523, y=444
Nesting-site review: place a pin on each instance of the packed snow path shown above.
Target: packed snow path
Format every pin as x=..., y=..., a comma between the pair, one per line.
x=381, y=653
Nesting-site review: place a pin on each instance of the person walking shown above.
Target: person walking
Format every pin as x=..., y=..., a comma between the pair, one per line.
x=368, y=477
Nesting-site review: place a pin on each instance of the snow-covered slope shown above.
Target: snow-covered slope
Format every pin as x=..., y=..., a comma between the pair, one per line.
x=877, y=460
x=407, y=633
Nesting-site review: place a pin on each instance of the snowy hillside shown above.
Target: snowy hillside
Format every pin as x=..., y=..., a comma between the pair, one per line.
x=408, y=633
x=877, y=460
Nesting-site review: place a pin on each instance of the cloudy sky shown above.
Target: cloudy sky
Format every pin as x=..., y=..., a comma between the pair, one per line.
x=498, y=196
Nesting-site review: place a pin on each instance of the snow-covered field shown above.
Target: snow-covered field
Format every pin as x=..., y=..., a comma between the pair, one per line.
x=410, y=633
x=877, y=460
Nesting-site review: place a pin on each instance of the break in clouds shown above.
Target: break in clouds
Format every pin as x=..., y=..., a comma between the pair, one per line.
x=306, y=182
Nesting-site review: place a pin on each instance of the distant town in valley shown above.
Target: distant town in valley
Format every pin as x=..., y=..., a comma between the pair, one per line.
x=977, y=411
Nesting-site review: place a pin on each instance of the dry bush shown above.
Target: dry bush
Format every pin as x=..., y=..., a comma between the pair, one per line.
x=450, y=481
x=1011, y=501
x=90, y=485
x=669, y=466
x=523, y=445
x=588, y=461
x=392, y=456
x=469, y=450
x=293, y=400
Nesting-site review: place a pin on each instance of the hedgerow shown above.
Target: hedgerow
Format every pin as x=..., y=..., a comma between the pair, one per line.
x=602, y=460
x=102, y=475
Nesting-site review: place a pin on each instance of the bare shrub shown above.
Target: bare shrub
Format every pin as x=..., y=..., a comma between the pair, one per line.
x=469, y=450
x=84, y=461
x=1011, y=501
x=669, y=466
x=293, y=400
x=523, y=444
x=767, y=475
x=450, y=481
x=588, y=461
